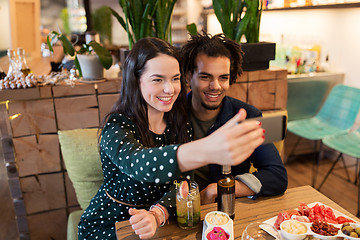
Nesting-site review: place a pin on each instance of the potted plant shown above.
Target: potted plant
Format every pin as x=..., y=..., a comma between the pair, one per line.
x=146, y=18
x=242, y=18
x=90, y=59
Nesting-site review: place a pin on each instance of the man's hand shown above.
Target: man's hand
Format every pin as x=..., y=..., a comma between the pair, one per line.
x=209, y=194
x=143, y=222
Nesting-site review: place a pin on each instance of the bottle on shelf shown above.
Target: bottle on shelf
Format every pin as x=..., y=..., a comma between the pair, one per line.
x=2, y=73
x=22, y=65
x=13, y=66
x=226, y=192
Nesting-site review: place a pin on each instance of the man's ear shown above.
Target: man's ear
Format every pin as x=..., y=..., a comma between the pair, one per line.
x=188, y=78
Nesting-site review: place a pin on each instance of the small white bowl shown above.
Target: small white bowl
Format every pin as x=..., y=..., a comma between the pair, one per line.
x=217, y=218
x=293, y=230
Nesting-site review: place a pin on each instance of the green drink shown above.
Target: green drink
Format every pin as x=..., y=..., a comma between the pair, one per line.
x=188, y=204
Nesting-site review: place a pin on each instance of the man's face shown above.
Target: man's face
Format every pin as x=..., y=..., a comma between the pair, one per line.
x=210, y=81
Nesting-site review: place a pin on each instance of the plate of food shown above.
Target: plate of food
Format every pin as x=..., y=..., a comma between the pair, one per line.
x=316, y=220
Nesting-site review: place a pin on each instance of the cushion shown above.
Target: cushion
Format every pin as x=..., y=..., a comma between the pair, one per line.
x=72, y=226
x=79, y=149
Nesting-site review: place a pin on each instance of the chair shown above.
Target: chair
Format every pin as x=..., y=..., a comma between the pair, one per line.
x=348, y=144
x=336, y=116
x=82, y=161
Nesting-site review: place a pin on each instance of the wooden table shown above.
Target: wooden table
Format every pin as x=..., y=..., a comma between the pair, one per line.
x=247, y=211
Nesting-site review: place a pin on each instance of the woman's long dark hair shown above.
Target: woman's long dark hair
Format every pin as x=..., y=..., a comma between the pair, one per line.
x=131, y=102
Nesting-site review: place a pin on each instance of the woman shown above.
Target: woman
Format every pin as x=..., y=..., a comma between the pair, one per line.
x=143, y=147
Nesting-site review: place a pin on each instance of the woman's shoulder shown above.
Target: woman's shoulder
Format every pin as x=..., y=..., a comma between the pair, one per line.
x=121, y=120
x=119, y=117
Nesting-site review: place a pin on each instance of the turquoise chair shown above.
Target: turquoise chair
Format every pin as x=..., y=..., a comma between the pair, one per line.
x=348, y=144
x=336, y=116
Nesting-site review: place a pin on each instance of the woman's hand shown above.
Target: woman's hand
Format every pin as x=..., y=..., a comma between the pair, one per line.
x=143, y=222
x=231, y=144
x=209, y=194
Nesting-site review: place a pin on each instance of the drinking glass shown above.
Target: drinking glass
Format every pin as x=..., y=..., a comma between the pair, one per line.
x=188, y=209
x=260, y=231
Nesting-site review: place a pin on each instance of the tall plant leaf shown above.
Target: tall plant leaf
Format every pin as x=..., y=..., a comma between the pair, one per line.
x=104, y=55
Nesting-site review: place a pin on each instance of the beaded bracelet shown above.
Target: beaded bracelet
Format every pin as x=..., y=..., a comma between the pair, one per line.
x=156, y=206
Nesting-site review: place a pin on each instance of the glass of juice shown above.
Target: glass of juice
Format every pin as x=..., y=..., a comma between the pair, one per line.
x=187, y=204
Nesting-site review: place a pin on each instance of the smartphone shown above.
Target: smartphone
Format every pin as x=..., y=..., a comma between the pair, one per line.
x=275, y=127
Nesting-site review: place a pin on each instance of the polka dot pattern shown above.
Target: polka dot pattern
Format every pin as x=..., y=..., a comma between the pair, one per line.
x=133, y=174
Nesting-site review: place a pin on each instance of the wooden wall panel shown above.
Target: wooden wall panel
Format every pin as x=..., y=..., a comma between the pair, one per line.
x=66, y=90
x=110, y=86
x=49, y=225
x=34, y=157
x=32, y=117
x=43, y=192
x=281, y=93
x=261, y=94
x=77, y=112
x=70, y=191
x=238, y=91
x=106, y=101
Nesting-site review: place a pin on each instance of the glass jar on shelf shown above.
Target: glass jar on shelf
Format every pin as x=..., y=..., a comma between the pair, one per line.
x=13, y=66
x=22, y=64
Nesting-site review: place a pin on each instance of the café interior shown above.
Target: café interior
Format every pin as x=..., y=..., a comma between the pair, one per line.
x=312, y=78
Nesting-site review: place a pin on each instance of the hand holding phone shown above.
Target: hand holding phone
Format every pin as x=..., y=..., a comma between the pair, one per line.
x=275, y=127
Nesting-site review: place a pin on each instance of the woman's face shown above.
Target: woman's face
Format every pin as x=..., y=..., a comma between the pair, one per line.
x=160, y=83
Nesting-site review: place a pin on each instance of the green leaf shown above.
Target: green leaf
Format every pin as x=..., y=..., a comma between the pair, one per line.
x=192, y=29
x=49, y=44
x=67, y=45
x=77, y=66
x=104, y=55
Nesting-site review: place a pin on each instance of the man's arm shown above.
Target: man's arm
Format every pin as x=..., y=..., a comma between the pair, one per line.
x=270, y=170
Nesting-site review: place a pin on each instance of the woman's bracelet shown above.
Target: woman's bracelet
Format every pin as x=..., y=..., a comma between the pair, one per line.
x=163, y=212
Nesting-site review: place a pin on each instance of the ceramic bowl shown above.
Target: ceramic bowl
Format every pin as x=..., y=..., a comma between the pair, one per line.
x=293, y=230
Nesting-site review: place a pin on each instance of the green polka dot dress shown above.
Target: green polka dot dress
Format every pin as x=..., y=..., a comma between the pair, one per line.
x=133, y=174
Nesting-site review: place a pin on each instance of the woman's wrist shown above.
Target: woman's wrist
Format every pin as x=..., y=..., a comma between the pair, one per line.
x=156, y=215
x=160, y=213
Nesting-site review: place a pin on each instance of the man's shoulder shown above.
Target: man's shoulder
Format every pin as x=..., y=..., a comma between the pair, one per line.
x=237, y=104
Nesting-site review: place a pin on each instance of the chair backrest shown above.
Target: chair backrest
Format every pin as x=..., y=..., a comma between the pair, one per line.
x=82, y=161
x=340, y=107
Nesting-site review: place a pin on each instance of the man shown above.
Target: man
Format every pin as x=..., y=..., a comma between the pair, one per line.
x=211, y=64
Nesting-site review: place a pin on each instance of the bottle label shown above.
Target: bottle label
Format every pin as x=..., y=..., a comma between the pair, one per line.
x=228, y=203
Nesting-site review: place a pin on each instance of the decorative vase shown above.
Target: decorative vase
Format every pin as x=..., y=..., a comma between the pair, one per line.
x=257, y=55
x=91, y=67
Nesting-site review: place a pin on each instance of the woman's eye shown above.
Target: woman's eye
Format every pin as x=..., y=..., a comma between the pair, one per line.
x=157, y=80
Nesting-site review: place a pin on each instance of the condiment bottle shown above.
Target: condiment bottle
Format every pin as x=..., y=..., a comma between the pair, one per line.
x=226, y=192
x=22, y=65
x=13, y=70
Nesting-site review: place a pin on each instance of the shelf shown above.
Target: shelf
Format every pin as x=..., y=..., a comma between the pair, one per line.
x=328, y=6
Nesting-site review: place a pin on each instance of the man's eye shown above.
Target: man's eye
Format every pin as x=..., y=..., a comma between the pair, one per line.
x=176, y=79
x=225, y=78
x=204, y=77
